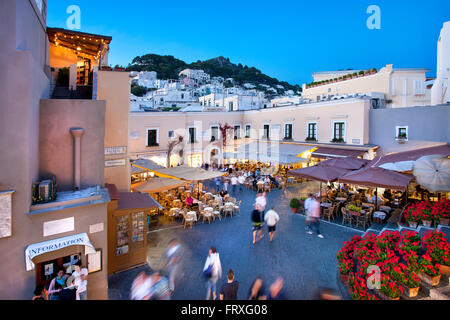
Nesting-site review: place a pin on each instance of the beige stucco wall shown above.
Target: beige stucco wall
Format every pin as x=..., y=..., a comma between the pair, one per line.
x=56, y=154
x=379, y=82
x=114, y=89
x=354, y=112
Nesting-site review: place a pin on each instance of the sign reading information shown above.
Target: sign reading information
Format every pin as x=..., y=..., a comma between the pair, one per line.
x=5, y=213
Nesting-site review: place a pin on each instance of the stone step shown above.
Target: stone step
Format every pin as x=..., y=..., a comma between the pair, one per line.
x=425, y=288
x=440, y=293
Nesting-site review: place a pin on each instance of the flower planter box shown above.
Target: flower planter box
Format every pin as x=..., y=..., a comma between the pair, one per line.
x=412, y=224
x=426, y=223
x=444, y=270
x=294, y=210
x=444, y=221
x=343, y=278
x=409, y=292
x=433, y=281
x=382, y=296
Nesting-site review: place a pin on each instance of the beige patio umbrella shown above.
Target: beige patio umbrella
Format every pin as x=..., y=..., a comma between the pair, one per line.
x=433, y=173
x=158, y=184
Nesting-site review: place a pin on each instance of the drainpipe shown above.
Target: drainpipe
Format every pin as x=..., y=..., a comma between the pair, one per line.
x=77, y=133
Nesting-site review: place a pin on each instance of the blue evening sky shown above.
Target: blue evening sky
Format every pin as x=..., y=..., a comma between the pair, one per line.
x=285, y=39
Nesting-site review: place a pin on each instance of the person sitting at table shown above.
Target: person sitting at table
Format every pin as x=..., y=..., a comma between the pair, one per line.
x=189, y=201
x=274, y=181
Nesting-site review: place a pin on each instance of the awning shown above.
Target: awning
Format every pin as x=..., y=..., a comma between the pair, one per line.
x=407, y=158
x=325, y=153
x=378, y=178
x=144, y=165
x=157, y=184
x=319, y=173
x=37, y=249
x=349, y=163
x=188, y=173
x=136, y=200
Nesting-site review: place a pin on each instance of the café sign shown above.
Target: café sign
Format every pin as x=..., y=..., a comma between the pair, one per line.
x=37, y=249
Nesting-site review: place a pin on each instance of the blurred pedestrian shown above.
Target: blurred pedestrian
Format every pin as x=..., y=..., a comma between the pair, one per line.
x=314, y=213
x=141, y=287
x=173, y=255
x=271, y=218
x=257, y=289
x=229, y=290
x=57, y=285
x=160, y=287
x=257, y=224
x=327, y=294
x=234, y=183
x=212, y=271
x=217, y=181
x=307, y=206
x=241, y=181
x=81, y=276
x=276, y=290
x=261, y=201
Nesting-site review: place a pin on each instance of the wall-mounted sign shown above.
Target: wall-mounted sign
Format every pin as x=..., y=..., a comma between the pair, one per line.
x=99, y=227
x=94, y=261
x=115, y=150
x=115, y=163
x=5, y=213
x=356, y=141
x=59, y=226
x=48, y=246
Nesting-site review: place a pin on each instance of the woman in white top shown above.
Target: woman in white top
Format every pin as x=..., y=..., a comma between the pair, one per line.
x=213, y=260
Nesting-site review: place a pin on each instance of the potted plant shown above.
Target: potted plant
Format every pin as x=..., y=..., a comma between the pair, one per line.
x=345, y=265
x=429, y=272
x=358, y=288
x=437, y=247
x=389, y=289
x=367, y=72
x=373, y=71
x=354, y=75
x=441, y=210
x=310, y=139
x=361, y=74
x=106, y=68
x=413, y=216
x=295, y=205
x=336, y=140
x=356, y=211
x=426, y=213
x=409, y=281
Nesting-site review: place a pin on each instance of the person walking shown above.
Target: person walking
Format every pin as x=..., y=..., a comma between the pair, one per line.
x=314, y=213
x=241, y=181
x=271, y=218
x=173, y=255
x=212, y=271
x=257, y=224
x=80, y=274
x=141, y=287
x=229, y=290
x=234, y=182
x=261, y=202
x=57, y=285
x=225, y=185
x=160, y=287
x=217, y=180
x=307, y=206
x=276, y=290
x=257, y=289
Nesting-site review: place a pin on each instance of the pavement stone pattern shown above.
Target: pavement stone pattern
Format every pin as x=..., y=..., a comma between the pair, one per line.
x=305, y=261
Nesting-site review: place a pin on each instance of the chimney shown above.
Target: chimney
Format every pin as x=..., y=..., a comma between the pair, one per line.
x=77, y=133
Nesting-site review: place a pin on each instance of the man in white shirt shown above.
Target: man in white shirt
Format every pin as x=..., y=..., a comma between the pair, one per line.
x=241, y=181
x=261, y=202
x=271, y=218
x=234, y=182
x=80, y=274
x=307, y=206
x=314, y=214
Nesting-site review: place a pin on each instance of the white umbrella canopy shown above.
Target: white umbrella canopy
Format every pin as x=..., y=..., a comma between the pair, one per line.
x=433, y=173
x=401, y=166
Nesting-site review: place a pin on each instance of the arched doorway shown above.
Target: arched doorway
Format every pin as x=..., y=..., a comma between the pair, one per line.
x=215, y=157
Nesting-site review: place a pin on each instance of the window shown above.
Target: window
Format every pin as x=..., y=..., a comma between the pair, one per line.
x=237, y=132
x=192, y=135
x=312, y=132
x=214, y=133
x=247, y=130
x=288, y=131
x=418, y=87
x=230, y=106
x=152, y=138
x=182, y=96
x=339, y=132
x=266, y=132
x=401, y=133
x=171, y=134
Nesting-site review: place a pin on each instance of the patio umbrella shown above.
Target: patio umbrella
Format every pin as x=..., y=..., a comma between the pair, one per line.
x=433, y=173
x=401, y=166
x=349, y=163
x=377, y=177
x=319, y=173
x=157, y=184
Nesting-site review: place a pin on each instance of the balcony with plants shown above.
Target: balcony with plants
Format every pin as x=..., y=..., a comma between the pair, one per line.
x=343, y=78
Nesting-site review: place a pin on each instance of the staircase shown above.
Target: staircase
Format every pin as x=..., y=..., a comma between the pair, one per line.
x=82, y=92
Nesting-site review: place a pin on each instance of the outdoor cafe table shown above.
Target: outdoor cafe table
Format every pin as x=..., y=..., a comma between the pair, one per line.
x=325, y=204
x=191, y=214
x=341, y=199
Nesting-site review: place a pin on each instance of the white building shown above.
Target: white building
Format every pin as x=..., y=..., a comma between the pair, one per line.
x=197, y=75
x=285, y=101
x=440, y=93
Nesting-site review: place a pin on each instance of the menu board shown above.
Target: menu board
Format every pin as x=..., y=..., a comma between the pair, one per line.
x=122, y=235
x=138, y=227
